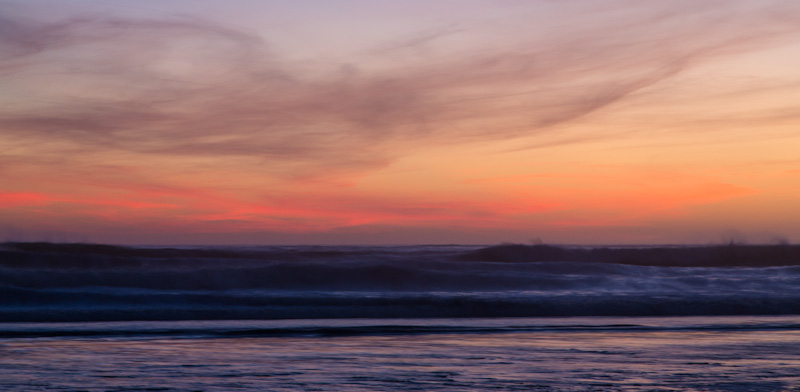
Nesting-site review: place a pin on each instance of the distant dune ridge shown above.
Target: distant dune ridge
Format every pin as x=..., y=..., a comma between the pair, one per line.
x=731, y=255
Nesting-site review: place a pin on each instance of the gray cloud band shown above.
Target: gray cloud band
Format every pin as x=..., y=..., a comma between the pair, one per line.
x=185, y=87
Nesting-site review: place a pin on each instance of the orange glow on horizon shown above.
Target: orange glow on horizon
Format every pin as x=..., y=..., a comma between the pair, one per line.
x=578, y=122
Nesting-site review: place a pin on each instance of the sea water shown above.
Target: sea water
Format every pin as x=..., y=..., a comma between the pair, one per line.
x=723, y=353
x=95, y=318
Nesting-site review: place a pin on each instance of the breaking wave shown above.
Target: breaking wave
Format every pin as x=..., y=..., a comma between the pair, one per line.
x=88, y=282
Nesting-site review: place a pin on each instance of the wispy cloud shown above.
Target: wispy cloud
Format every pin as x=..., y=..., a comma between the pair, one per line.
x=187, y=87
x=184, y=124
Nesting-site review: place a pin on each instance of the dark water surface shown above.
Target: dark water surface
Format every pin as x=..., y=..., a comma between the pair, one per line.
x=743, y=353
x=82, y=317
x=83, y=282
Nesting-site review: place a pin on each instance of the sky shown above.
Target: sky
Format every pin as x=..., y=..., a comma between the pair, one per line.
x=400, y=122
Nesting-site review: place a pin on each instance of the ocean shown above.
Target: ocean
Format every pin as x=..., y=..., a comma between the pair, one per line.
x=83, y=317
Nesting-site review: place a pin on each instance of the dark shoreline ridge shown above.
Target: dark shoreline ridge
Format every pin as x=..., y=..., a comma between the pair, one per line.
x=730, y=255
x=48, y=254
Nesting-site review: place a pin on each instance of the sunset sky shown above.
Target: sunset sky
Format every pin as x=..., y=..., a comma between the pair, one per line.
x=400, y=122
